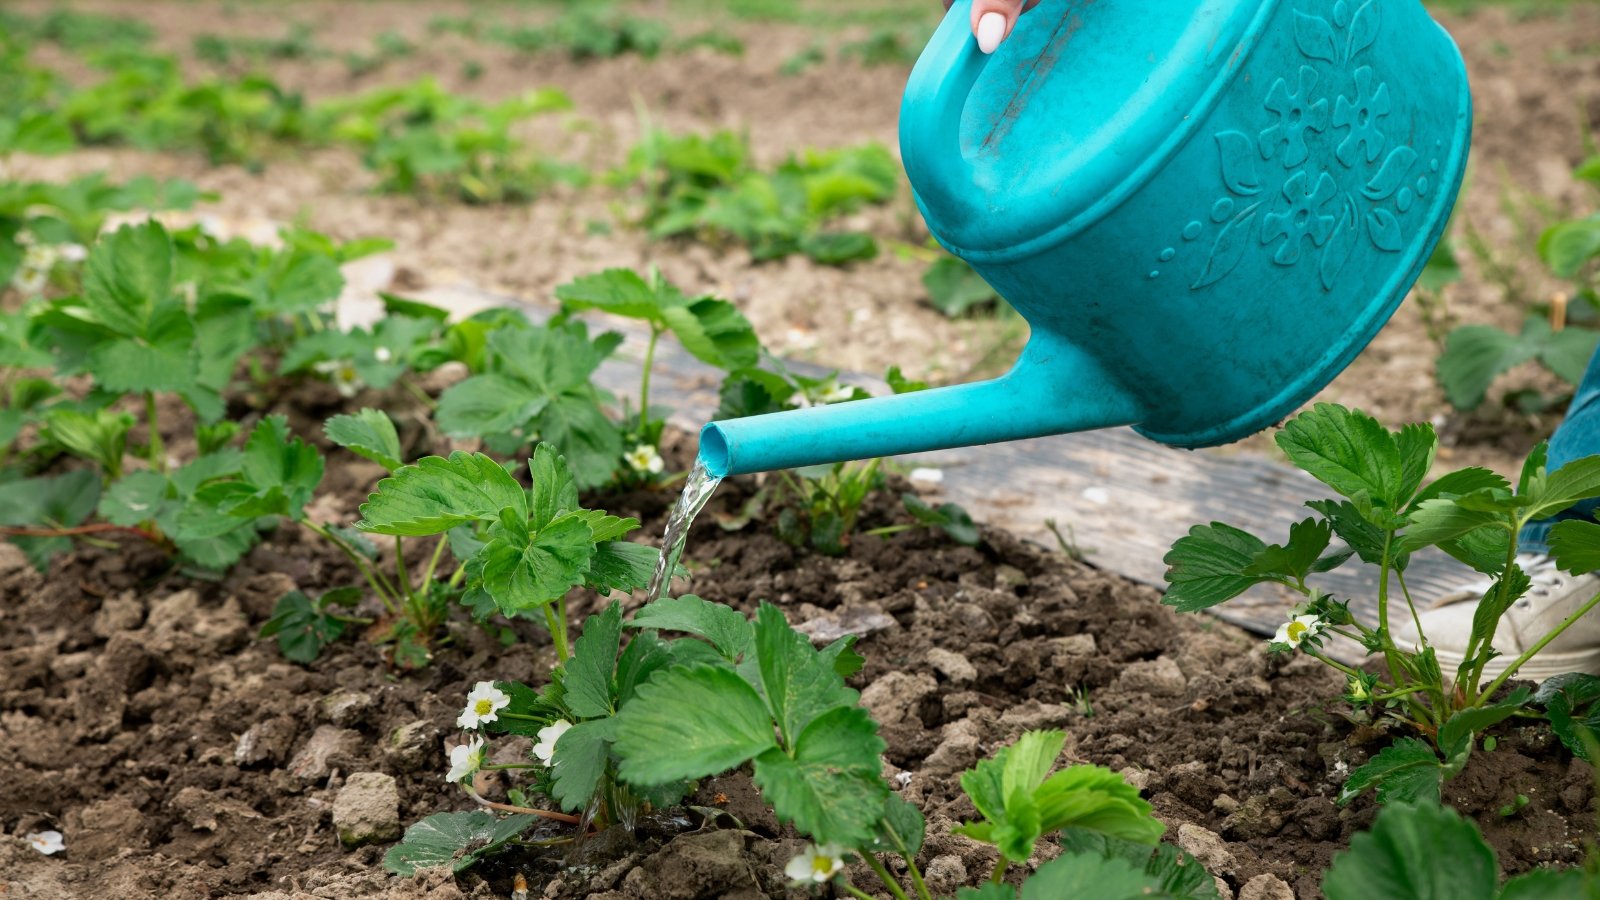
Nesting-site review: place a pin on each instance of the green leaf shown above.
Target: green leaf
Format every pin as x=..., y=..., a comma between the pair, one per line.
x=1417, y=443
x=949, y=518
x=621, y=566
x=1407, y=771
x=302, y=628
x=727, y=630
x=1029, y=760
x=1569, y=702
x=135, y=498
x=369, y=433
x=1474, y=355
x=1455, y=737
x=1208, y=567
x=1439, y=520
x=831, y=788
x=1366, y=539
x=434, y=495
x=488, y=404
x=454, y=839
x=128, y=275
x=553, y=490
x=1096, y=799
x=1420, y=852
x=711, y=718
x=281, y=472
x=525, y=571
x=1180, y=877
x=588, y=679
x=1569, y=246
x=1307, y=539
x=101, y=438
x=715, y=332
x=621, y=292
x=1577, y=480
x=799, y=682
x=1459, y=483
x=55, y=501
x=580, y=762
x=901, y=829
x=954, y=288
x=163, y=360
x=1078, y=875
x=1347, y=450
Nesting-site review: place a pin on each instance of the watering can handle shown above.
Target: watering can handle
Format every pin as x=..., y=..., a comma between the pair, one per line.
x=930, y=114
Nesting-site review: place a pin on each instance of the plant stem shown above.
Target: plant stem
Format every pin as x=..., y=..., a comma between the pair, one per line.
x=1331, y=663
x=884, y=876
x=1532, y=651
x=887, y=530
x=455, y=579
x=1384, y=640
x=1411, y=604
x=157, y=452
x=916, y=875
x=851, y=889
x=510, y=766
x=1475, y=672
x=558, y=633
x=644, y=379
x=506, y=807
x=999, y=872
x=374, y=578
x=433, y=564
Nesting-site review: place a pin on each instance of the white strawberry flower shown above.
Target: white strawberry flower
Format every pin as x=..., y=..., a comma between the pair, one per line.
x=545, y=750
x=47, y=842
x=1298, y=629
x=816, y=864
x=483, y=705
x=383, y=354
x=834, y=392
x=465, y=760
x=342, y=373
x=644, y=458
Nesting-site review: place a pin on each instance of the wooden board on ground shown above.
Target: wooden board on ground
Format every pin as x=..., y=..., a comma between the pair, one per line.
x=1122, y=498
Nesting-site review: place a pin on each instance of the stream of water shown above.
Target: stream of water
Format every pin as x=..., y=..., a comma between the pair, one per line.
x=697, y=490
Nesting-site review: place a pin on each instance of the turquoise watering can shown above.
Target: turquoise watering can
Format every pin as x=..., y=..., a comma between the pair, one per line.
x=1204, y=208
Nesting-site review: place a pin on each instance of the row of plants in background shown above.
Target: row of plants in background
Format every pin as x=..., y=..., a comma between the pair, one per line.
x=1382, y=515
x=589, y=31
x=711, y=187
x=168, y=329
x=1559, y=334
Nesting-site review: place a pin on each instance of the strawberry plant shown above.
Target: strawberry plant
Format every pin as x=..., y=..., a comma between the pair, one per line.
x=1476, y=355
x=422, y=139
x=712, y=330
x=1382, y=515
x=708, y=186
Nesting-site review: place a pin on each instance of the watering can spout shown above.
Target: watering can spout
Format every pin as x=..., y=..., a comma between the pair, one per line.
x=1054, y=389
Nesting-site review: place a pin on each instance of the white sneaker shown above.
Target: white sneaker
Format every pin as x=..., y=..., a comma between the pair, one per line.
x=1553, y=596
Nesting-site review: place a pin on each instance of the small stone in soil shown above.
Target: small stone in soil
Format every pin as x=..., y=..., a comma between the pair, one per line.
x=860, y=621
x=1207, y=847
x=1160, y=677
x=367, y=810
x=1266, y=887
x=952, y=665
x=945, y=874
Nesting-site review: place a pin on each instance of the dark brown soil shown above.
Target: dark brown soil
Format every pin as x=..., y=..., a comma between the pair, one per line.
x=182, y=758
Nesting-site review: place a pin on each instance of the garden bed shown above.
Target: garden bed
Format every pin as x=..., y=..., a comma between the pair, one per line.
x=182, y=757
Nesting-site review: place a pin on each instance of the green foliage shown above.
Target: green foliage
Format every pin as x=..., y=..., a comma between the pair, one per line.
x=1382, y=516
x=454, y=839
x=783, y=706
x=52, y=501
x=712, y=330
x=534, y=545
x=535, y=385
x=947, y=517
x=1572, y=704
x=955, y=289
x=369, y=433
x=304, y=626
x=1020, y=804
x=709, y=187
x=1428, y=852
x=422, y=139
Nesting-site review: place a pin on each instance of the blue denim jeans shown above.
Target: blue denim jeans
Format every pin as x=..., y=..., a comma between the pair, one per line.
x=1577, y=436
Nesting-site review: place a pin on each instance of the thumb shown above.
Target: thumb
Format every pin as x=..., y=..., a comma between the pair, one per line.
x=992, y=20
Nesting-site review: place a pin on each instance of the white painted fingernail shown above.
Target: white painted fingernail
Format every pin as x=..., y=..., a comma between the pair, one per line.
x=991, y=31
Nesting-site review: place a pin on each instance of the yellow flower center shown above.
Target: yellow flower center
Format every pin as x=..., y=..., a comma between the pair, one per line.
x=822, y=865
x=1297, y=631
x=483, y=707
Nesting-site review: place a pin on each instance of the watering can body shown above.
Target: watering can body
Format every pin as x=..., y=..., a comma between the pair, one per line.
x=1204, y=208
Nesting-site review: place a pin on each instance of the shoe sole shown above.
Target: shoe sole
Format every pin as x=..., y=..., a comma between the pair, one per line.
x=1539, y=669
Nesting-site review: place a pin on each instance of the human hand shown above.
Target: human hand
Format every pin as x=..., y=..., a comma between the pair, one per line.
x=992, y=20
